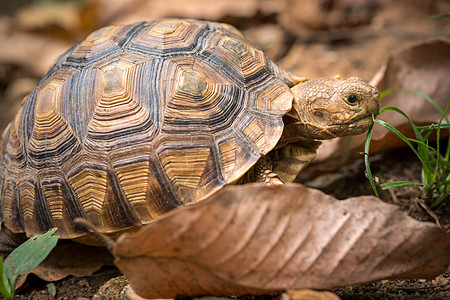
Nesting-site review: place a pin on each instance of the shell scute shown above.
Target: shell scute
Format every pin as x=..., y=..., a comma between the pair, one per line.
x=242, y=63
x=208, y=106
x=190, y=164
x=170, y=37
x=103, y=43
x=51, y=137
x=141, y=180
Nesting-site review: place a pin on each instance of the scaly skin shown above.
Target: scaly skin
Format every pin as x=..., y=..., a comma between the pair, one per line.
x=322, y=109
x=326, y=108
x=262, y=172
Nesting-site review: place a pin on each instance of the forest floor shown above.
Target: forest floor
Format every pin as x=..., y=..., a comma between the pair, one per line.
x=355, y=43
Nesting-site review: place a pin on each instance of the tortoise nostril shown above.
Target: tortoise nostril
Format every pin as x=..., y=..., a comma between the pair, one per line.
x=377, y=96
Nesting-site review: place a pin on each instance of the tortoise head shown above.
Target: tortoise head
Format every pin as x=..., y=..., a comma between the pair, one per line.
x=331, y=107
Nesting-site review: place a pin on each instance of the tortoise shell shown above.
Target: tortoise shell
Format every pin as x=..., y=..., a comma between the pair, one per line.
x=135, y=121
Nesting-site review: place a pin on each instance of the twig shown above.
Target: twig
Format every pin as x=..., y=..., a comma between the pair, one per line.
x=393, y=196
x=109, y=243
x=429, y=211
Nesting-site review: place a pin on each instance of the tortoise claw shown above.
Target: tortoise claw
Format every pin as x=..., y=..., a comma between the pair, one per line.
x=271, y=179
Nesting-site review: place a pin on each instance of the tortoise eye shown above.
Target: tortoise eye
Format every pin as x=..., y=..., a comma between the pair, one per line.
x=352, y=99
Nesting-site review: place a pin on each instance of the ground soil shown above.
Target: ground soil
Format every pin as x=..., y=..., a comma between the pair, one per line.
x=397, y=25
x=68, y=288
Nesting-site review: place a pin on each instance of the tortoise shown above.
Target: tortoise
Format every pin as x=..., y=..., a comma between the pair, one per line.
x=139, y=119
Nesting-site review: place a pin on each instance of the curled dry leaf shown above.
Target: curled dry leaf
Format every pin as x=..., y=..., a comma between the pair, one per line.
x=70, y=258
x=257, y=239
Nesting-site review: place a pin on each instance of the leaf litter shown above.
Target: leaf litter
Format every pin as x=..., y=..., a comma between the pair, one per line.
x=344, y=52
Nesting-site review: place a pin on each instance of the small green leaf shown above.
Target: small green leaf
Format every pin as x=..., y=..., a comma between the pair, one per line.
x=29, y=255
x=393, y=184
x=5, y=288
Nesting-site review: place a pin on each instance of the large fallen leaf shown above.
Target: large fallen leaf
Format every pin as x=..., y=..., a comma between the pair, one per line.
x=257, y=239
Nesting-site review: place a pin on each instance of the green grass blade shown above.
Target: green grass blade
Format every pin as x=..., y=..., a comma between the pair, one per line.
x=438, y=201
x=423, y=144
x=387, y=92
x=5, y=288
x=440, y=166
x=427, y=134
x=435, y=167
x=422, y=152
x=29, y=255
x=367, y=161
x=394, y=184
x=398, y=134
x=439, y=128
x=447, y=151
x=438, y=16
x=398, y=110
x=420, y=94
x=434, y=127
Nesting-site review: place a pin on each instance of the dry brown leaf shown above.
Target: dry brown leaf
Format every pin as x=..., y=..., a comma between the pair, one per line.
x=126, y=11
x=58, y=19
x=326, y=14
x=70, y=258
x=257, y=239
x=32, y=52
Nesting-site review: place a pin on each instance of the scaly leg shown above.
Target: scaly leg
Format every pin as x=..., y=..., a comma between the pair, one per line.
x=262, y=172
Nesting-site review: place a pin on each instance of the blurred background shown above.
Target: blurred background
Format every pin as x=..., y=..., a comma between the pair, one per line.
x=308, y=37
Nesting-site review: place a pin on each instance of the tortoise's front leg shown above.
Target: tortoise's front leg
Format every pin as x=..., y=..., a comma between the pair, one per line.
x=262, y=172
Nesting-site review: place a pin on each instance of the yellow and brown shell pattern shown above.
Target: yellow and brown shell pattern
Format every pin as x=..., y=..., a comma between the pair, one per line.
x=135, y=121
